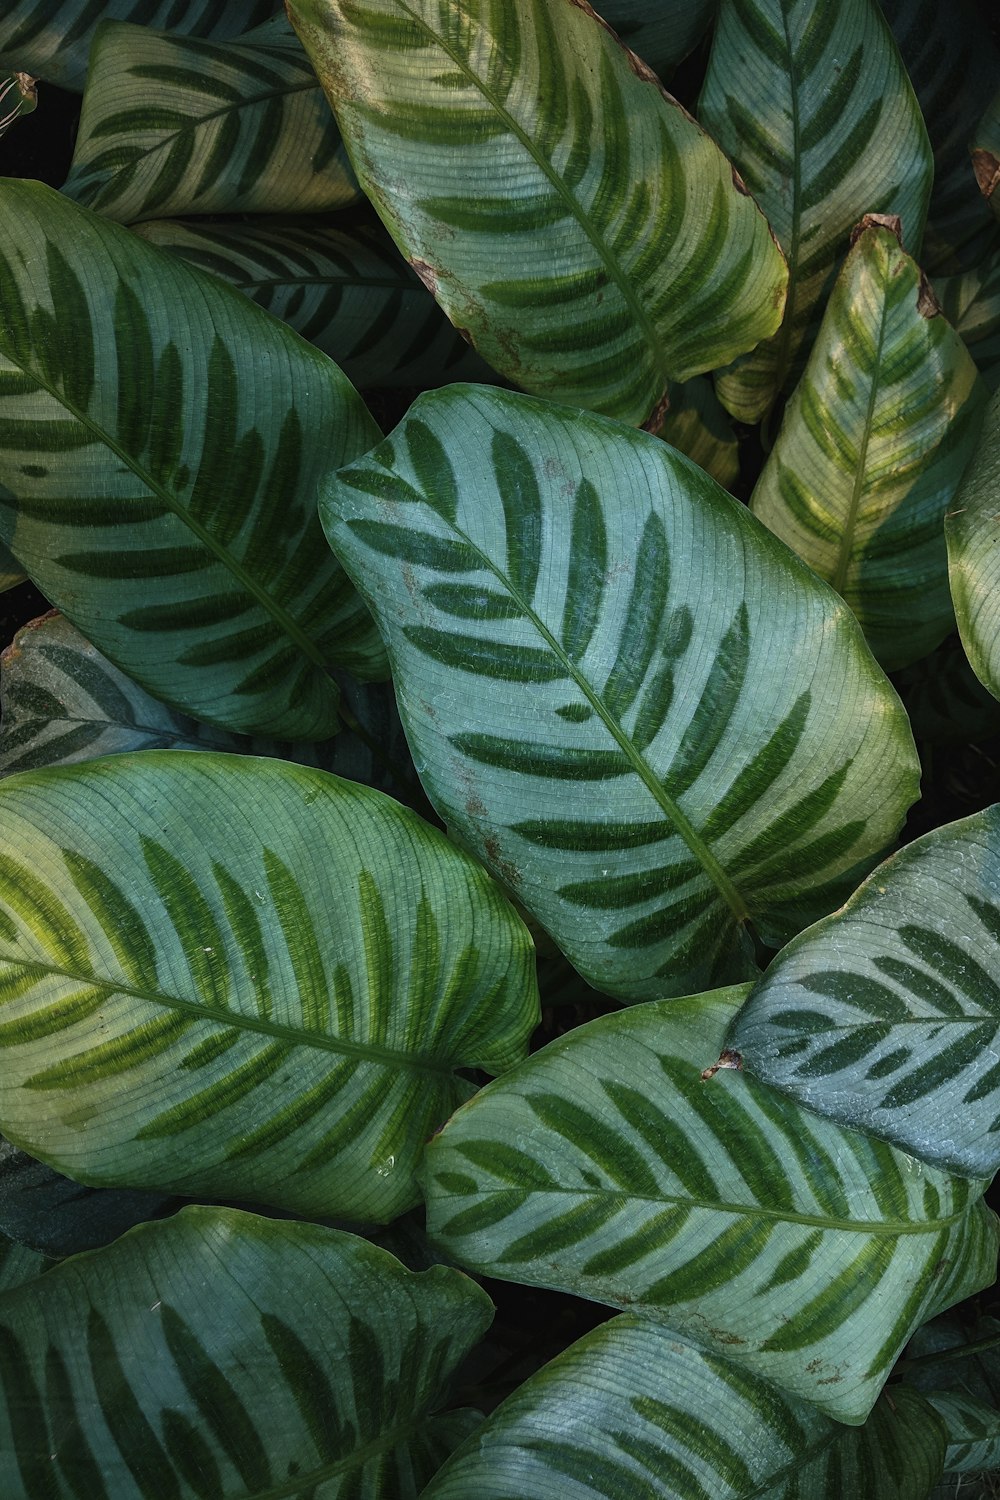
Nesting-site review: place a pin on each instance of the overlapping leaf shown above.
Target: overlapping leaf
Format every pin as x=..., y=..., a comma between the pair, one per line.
x=584, y=631
x=18, y=96
x=972, y=530
x=662, y=32
x=696, y=424
x=606, y=1166
x=174, y=124
x=986, y=153
x=812, y=103
x=223, y=1354
x=872, y=448
x=238, y=977
x=11, y=573
x=606, y=249
x=348, y=291
x=964, y=1388
x=886, y=1016
x=971, y=301
x=161, y=441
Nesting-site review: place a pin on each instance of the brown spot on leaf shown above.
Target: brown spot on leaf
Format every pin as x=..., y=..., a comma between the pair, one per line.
x=427, y=274
x=892, y=222
x=657, y=416
x=987, y=169
x=503, y=867
x=727, y=1059
x=928, y=305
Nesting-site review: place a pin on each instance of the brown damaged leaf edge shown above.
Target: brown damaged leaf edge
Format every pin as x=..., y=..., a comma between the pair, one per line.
x=928, y=305
x=727, y=1059
x=427, y=274
x=892, y=222
x=657, y=416
x=986, y=167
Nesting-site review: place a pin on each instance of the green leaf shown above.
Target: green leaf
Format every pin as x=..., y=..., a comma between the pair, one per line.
x=174, y=124
x=242, y=978
x=662, y=32
x=18, y=97
x=19, y=1264
x=608, y=1167
x=609, y=249
x=886, y=1016
x=971, y=301
x=696, y=424
x=631, y=1410
x=963, y=1388
x=985, y=148
x=811, y=102
x=348, y=291
x=972, y=531
x=223, y=1354
x=11, y=574
x=973, y=1431
x=158, y=483
x=584, y=631
x=872, y=448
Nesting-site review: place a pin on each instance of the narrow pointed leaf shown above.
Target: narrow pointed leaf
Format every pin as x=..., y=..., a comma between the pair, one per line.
x=608, y=1167
x=583, y=631
x=223, y=1354
x=696, y=424
x=609, y=248
x=238, y=977
x=175, y=124
x=886, y=1016
x=972, y=530
x=158, y=483
x=985, y=148
x=971, y=303
x=348, y=291
x=872, y=447
x=51, y=1215
x=811, y=102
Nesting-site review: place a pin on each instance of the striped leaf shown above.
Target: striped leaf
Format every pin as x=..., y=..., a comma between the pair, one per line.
x=944, y=700
x=18, y=97
x=971, y=301
x=973, y=1431
x=52, y=38
x=608, y=1167
x=52, y=1216
x=964, y=1389
x=635, y=704
x=886, y=1016
x=348, y=291
x=63, y=702
x=696, y=424
x=813, y=105
x=985, y=148
x=223, y=1354
x=662, y=32
x=972, y=531
x=606, y=247
x=241, y=978
x=158, y=488
x=174, y=124
x=872, y=448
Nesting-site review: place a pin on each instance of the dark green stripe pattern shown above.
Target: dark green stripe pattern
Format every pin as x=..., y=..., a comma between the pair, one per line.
x=971, y=303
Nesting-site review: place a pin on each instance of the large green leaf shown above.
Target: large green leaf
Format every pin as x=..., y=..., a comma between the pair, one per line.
x=239, y=977
x=637, y=706
x=872, y=448
x=161, y=442
x=608, y=1167
x=348, y=291
x=174, y=124
x=220, y=1354
x=972, y=530
x=886, y=1016
x=607, y=248
x=813, y=105
x=634, y=1411
x=971, y=301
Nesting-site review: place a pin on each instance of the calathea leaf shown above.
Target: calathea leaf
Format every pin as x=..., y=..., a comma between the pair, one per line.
x=158, y=488
x=886, y=1015
x=696, y=424
x=986, y=154
x=632, y=1409
x=812, y=103
x=972, y=531
x=605, y=247
x=584, y=631
x=662, y=32
x=963, y=1388
x=971, y=303
x=607, y=1166
x=219, y=1353
x=232, y=127
x=241, y=978
x=873, y=445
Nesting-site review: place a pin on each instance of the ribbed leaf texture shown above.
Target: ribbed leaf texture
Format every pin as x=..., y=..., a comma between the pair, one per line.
x=607, y=248
x=637, y=706
x=972, y=530
x=970, y=301
x=240, y=978
x=19, y=1264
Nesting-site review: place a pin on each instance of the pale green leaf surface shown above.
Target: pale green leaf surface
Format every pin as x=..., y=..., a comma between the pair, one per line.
x=175, y=125
x=633, y=1410
x=811, y=102
x=238, y=977
x=634, y=703
x=662, y=32
x=159, y=485
x=606, y=249
x=606, y=1166
x=972, y=531
x=971, y=302
x=221, y=1354
x=696, y=424
x=872, y=447
x=348, y=291
x=985, y=148
x=886, y=1016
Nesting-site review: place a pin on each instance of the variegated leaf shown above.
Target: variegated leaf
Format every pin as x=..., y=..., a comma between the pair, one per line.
x=696, y=424
x=972, y=531
x=971, y=302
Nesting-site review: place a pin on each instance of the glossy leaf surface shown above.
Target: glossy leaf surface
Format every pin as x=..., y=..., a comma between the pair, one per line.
x=886, y=1016
x=811, y=102
x=583, y=631
x=159, y=486
x=607, y=250
x=240, y=978
x=972, y=530
x=175, y=124
x=223, y=1354
x=607, y=1167
x=872, y=448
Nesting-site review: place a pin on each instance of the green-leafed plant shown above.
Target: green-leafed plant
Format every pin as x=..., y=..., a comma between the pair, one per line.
x=538, y=731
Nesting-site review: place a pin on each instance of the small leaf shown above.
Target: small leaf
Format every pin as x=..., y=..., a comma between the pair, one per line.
x=696, y=424
x=972, y=531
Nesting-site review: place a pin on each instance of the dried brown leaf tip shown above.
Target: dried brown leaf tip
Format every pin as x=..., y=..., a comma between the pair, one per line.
x=987, y=170
x=892, y=222
x=928, y=305
x=657, y=416
x=727, y=1059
